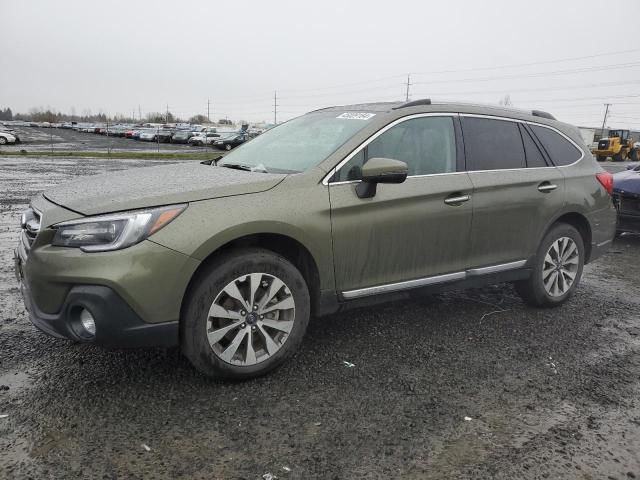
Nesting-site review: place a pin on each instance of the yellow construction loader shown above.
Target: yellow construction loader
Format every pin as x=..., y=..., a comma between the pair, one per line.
x=618, y=145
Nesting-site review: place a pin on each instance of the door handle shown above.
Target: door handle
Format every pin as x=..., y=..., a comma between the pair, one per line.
x=457, y=199
x=546, y=187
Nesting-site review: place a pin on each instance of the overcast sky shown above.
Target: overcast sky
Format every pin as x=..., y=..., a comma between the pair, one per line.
x=116, y=56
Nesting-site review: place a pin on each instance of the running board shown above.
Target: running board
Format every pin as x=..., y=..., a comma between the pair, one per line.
x=423, y=282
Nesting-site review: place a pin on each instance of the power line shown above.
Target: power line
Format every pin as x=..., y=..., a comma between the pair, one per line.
x=529, y=64
x=604, y=120
x=275, y=108
x=539, y=74
x=408, y=85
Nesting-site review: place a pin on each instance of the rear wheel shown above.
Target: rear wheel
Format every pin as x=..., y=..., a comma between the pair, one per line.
x=556, y=270
x=3, y=141
x=227, y=147
x=601, y=158
x=246, y=314
x=617, y=157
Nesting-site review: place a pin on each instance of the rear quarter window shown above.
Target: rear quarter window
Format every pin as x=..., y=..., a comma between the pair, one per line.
x=560, y=150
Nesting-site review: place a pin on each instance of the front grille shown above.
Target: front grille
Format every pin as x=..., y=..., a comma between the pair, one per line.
x=628, y=204
x=603, y=144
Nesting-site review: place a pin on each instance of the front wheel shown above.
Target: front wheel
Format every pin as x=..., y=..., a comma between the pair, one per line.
x=633, y=155
x=245, y=315
x=601, y=158
x=227, y=147
x=3, y=141
x=556, y=270
x=617, y=157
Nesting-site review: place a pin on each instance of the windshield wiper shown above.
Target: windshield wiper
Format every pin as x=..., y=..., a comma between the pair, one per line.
x=247, y=168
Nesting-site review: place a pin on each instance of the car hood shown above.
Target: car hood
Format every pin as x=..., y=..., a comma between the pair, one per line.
x=627, y=181
x=160, y=185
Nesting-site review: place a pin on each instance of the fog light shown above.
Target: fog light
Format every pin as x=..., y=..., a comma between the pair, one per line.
x=87, y=321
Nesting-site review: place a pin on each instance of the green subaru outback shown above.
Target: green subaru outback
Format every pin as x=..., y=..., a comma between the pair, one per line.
x=339, y=207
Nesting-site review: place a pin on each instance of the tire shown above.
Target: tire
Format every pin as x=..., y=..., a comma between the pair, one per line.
x=3, y=141
x=601, y=158
x=633, y=155
x=230, y=273
x=617, y=157
x=227, y=147
x=533, y=290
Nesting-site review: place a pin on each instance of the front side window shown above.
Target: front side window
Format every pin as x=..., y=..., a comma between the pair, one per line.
x=492, y=144
x=426, y=144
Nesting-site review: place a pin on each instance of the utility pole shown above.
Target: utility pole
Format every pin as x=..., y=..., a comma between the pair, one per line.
x=275, y=108
x=166, y=118
x=208, y=112
x=408, y=85
x=604, y=120
x=139, y=114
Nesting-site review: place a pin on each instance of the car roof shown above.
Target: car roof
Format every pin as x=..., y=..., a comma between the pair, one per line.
x=427, y=106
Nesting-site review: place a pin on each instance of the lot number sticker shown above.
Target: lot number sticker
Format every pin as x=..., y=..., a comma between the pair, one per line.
x=356, y=115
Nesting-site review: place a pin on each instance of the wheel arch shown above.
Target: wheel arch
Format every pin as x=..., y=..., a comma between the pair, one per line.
x=579, y=222
x=287, y=246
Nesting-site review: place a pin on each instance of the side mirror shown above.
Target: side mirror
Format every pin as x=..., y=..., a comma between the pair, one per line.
x=380, y=170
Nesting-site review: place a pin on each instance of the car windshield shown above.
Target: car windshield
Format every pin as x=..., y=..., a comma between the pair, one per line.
x=299, y=144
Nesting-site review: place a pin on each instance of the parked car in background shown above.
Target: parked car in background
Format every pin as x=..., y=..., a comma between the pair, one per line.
x=231, y=141
x=10, y=130
x=204, y=138
x=164, y=134
x=626, y=198
x=149, y=135
x=390, y=201
x=182, y=136
x=8, y=138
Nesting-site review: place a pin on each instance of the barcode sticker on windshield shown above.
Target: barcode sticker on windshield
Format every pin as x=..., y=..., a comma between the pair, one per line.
x=356, y=115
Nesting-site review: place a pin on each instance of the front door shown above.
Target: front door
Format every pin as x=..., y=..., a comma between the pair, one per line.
x=407, y=231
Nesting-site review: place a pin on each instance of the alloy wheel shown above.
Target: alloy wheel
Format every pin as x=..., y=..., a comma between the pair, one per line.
x=560, y=266
x=250, y=319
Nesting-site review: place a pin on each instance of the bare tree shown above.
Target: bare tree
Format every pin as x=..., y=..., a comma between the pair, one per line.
x=506, y=101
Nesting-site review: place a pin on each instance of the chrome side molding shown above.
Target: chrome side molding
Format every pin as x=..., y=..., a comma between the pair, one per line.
x=422, y=282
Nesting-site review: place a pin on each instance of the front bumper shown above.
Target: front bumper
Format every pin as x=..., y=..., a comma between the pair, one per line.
x=117, y=325
x=134, y=294
x=628, y=223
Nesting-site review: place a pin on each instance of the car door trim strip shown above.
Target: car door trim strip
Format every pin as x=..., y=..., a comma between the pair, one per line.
x=422, y=282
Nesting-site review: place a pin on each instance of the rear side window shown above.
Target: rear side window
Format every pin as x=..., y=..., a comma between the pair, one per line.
x=531, y=150
x=561, y=151
x=492, y=144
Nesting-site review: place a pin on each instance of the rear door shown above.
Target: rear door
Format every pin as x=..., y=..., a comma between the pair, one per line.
x=410, y=230
x=516, y=190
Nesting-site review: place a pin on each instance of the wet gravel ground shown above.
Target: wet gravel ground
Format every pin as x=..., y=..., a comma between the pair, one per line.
x=468, y=385
x=39, y=139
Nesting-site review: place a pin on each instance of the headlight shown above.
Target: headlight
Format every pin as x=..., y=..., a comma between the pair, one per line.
x=115, y=231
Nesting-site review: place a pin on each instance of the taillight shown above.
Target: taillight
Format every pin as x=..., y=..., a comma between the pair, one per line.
x=606, y=179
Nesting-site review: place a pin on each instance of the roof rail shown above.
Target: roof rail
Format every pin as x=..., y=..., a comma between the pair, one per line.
x=414, y=103
x=540, y=113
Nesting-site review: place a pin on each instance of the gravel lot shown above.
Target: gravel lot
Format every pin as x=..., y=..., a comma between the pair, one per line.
x=547, y=393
